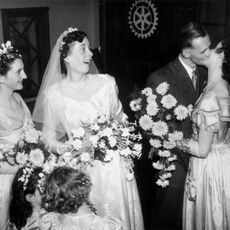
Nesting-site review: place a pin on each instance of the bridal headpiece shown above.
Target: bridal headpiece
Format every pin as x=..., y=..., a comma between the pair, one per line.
x=8, y=52
x=27, y=172
x=65, y=33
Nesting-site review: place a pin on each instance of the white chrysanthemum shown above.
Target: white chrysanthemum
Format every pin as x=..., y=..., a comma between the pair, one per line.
x=94, y=140
x=169, y=145
x=162, y=89
x=168, y=101
x=158, y=165
x=175, y=136
x=171, y=167
x=85, y=157
x=146, y=122
x=77, y=144
x=125, y=152
x=147, y=91
x=152, y=109
x=78, y=132
x=165, y=176
x=31, y=135
x=164, y=153
x=21, y=158
x=36, y=157
x=162, y=183
x=112, y=141
x=135, y=105
x=107, y=132
x=155, y=143
x=181, y=112
x=172, y=158
x=151, y=98
x=160, y=128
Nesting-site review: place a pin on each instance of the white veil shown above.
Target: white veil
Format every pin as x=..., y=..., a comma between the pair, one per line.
x=52, y=76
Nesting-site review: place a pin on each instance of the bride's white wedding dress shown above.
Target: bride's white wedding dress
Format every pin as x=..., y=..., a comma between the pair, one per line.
x=10, y=131
x=112, y=194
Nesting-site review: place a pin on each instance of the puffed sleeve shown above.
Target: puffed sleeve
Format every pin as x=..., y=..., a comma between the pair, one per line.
x=115, y=104
x=211, y=112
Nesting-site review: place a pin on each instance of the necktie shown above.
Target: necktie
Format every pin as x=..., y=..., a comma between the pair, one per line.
x=194, y=78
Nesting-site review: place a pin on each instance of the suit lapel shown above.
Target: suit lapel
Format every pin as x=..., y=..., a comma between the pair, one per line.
x=183, y=83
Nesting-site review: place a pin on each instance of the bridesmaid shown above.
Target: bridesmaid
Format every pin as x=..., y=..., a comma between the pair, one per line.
x=13, y=111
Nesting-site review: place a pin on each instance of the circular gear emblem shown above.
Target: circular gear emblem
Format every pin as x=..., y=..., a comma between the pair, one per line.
x=143, y=18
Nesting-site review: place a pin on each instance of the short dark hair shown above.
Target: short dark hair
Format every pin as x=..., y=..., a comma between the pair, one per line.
x=189, y=32
x=20, y=208
x=225, y=47
x=67, y=41
x=66, y=189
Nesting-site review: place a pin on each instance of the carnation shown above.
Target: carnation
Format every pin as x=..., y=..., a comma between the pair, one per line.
x=168, y=101
x=107, y=132
x=78, y=132
x=125, y=152
x=169, y=145
x=146, y=122
x=147, y=91
x=162, y=89
x=165, y=176
x=151, y=98
x=160, y=128
x=137, y=147
x=164, y=153
x=95, y=127
x=152, y=109
x=181, y=112
x=36, y=157
x=102, y=118
x=135, y=105
x=94, y=140
x=85, y=157
x=77, y=144
x=175, y=136
x=171, y=167
x=172, y=158
x=109, y=155
x=112, y=141
x=155, y=143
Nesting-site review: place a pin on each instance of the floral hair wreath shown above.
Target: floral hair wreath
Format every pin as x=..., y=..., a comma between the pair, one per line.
x=5, y=51
x=69, y=30
x=27, y=172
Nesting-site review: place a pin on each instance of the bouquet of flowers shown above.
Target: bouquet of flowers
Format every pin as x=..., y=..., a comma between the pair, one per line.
x=159, y=114
x=105, y=138
x=29, y=151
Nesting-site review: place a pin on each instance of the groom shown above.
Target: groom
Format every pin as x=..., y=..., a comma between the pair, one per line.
x=187, y=81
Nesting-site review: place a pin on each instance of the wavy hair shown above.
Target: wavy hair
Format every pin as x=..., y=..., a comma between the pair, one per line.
x=66, y=190
x=20, y=208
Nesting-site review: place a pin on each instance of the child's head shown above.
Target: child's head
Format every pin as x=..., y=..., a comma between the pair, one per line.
x=66, y=190
x=26, y=194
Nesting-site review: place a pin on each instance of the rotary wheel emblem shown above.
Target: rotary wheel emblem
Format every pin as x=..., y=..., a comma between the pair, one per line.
x=143, y=18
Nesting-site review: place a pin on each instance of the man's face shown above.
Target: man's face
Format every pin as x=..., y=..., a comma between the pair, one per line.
x=200, y=50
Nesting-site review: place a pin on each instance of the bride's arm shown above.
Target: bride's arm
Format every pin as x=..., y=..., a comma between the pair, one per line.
x=199, y=148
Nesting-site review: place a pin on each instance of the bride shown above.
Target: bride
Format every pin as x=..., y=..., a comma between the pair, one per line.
x=69, y=98
x=13, y=111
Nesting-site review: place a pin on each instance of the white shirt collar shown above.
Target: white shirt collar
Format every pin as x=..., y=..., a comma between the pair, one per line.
x=187, y=68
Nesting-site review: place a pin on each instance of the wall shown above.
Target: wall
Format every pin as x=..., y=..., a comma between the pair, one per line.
x=83, y=14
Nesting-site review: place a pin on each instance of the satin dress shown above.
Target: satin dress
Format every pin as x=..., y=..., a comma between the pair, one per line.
x=112, y=194
x=10, y=133
x=207, y=187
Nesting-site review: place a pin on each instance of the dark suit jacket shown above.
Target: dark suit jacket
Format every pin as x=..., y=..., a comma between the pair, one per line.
x=182, y=89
